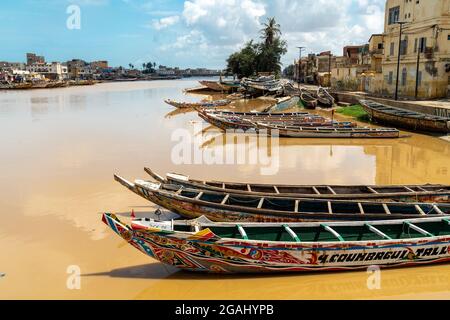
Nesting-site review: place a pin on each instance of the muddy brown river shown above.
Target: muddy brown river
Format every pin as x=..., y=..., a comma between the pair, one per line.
x=61, y=147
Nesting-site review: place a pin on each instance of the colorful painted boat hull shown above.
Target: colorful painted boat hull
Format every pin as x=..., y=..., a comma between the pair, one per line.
x=205, y=252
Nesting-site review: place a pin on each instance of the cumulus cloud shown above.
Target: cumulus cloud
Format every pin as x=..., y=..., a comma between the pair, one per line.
x=163, y=23
x=223, y=26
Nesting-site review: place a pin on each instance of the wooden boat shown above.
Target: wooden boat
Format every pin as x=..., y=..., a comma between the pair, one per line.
x=417, y=193
x=214, y=86
x=21, y=86
x=329, y=132
x=265, y=84
x=39, y=85
x=264, y=116
x=308, y=101
x=220, y=206
x=324, y=98
x=260, y=114
x=405, y=118
x=205, y=246
x=239, y=123
x=283, y=104
x=231, y=85
x=208, y=104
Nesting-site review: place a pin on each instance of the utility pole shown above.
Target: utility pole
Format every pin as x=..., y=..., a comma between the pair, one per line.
x=300, y=65
x=419, y=51
x=329, y=69
x=401, y=23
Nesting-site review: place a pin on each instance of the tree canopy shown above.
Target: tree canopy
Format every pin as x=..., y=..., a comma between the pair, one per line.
x=260, y=57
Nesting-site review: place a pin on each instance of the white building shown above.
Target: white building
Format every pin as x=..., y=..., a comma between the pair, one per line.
x=53, y=71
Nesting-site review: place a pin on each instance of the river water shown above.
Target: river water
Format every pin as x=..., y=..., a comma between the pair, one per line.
x=61, y=147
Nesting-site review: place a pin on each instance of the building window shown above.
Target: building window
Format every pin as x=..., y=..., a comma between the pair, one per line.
x=391, y=77
x=404, y=76
x=380, y=45
x=404, y=47
x=448, y=37
x=394, y=15
x=391, y=51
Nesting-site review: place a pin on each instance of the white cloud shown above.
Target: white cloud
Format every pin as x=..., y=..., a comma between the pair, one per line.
x=163, y=23
x=222, y=26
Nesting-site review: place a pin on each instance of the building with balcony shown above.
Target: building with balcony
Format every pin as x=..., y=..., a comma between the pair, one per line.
x=424, y=50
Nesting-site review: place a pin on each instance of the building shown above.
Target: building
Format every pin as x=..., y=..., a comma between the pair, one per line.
x=99, y=64
x=34, y=59
x=424, y=49
x=51, y=71
x=325, y=63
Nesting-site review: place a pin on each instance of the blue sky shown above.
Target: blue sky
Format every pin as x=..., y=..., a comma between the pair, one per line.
x=192, y=33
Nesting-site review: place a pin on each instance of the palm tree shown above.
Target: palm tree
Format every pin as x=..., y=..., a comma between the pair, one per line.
x=270, y=31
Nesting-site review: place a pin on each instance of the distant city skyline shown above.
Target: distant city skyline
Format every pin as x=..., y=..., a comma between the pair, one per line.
x=178, y=33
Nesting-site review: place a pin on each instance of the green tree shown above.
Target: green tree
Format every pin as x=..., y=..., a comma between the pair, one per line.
x=260, y=57
x=270, y=31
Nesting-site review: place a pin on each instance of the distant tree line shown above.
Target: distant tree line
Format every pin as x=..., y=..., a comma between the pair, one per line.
x=257, y=57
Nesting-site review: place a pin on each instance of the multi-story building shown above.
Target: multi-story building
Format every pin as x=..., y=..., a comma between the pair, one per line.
x=99, y=64
x=52, y=71
x=424, y=49
x=34, y=59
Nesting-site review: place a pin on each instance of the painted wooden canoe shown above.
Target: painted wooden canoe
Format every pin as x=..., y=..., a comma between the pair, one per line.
x=308, y=100
x=329, y=132
x=209, y=104
x=247, y=123
x=417, y=193
x=261, y=114
x=219, y=206
x=214, y=86
x=405, y=118
x=204, y=246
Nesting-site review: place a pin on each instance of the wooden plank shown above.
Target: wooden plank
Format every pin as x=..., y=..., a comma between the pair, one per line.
x=249, y=188
x=315, y=190
x=292, y=233
x=419, y=210
x=179, y=191
x=330, y=209
x=361, y=209
x=437, y=209
x=422, y=189
x=297, y=202
x=225, y=199
x=409, y=189
x=242, y=232
x=260, y=204
x=371, y=190
x=386, y=209
x=378, y=232
x=418, y=229
x=332, y=191
x=276, y=190
x=224, y=186
x=199, y=196
x=333, y=232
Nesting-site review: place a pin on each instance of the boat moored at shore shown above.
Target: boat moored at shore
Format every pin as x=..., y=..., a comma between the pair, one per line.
x=201, y=245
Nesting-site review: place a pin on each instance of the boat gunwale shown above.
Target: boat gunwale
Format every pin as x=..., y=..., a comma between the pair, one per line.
x=206, y=185
x=173, y=196
x=318, y=245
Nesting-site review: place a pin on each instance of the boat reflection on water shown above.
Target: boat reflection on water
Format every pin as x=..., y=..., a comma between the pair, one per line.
x=423, y=282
